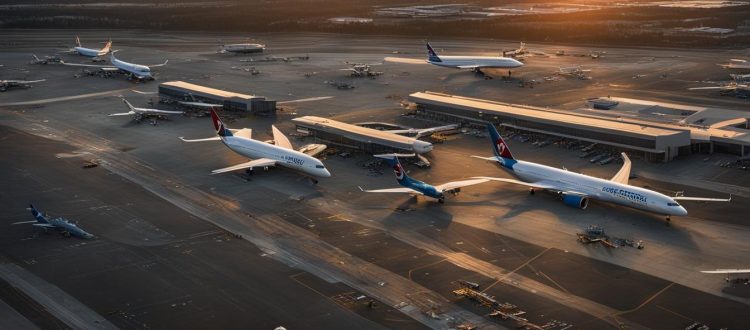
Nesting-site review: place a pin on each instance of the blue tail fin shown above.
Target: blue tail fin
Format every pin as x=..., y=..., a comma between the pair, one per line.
x=37, y=215
x=499, y=147
x=432, y=56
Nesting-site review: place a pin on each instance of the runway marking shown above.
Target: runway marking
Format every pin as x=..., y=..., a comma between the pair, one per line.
x=673, y=312
x=309, y=99
x=425, y=266
x=648, y=300
x=517, y=269
x=294, y=278
x=65, y=98
x=554, y=282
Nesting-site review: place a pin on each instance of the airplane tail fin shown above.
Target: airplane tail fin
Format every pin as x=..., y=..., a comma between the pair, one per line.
x=499, y=147
x=38, y=215
x=107, y=47
x=219, y=125
x=78, y=42
x=130, y=106
x=393, y=162
x=432, y=56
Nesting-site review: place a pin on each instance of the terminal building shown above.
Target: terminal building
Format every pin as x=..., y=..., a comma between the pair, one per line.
x=357, y=137
x=183, y=91
x=658, y=142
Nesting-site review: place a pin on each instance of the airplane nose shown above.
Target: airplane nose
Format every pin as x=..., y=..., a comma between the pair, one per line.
x=326, y=174
x=683, y=211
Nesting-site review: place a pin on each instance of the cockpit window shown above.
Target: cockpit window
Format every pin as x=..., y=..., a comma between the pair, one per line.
x=673, y=204
x=319, y=166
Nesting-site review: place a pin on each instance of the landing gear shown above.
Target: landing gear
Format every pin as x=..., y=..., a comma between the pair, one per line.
x=441, y=200
x=314, y=181
x=669, y=219
x=250, y=171
x=531, y=191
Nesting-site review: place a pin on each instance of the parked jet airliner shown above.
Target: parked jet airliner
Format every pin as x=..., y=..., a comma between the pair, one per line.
x=281, y=152
x=475, y=63
x=138, y=71
x=576, y=189
x=414, y=186
x=88, y=52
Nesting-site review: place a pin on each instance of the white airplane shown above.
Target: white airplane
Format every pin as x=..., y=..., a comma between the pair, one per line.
x=265, y=154
x=5, y=84
x=88, y=52
x=416, y=187
x=736, y=64
x=521, y=50
x=140, y=113
x=138, y=71
x=475, y=63
x=577, y=189
x=245, y=48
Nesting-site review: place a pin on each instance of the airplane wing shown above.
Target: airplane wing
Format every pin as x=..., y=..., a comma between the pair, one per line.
x=540, y=185
x=473, y=67
x=726, y=271
x=201, y=104
x=44, y=225
x=260, y=162
x=103, y=67
x=393, y=190
x=460, y=184
x=215, y=138
x=145, y=110
x=702, y=199
x=423, y=131
x=129, y=113
x=280, y=139
x=158, y=65
x=28, y=81
x=623, y=174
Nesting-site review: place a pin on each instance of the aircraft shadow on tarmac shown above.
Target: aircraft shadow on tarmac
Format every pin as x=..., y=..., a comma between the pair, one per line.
x=650, y=227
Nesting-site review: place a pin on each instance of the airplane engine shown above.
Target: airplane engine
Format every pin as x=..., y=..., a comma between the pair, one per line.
x=579, y=201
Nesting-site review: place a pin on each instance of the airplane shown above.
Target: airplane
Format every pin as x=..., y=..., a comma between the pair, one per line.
x=577, y=189
x=265, y=154
x=6, y=84
x=739, y=83
x=420, y=132
x=736, y=64
x=138, y=71
x=198, y=104
x=475, y=63
x=416, y=187
x=140, y=113
x=245, y=48
x=88, y=52
x=63, y=225
x=521, y=50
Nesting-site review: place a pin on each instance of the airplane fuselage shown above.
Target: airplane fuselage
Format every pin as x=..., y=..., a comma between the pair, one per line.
x=596, y=188
x=421, y=187
x=137, y=70
x=88, y=52
x=489, y=62
x=292, y=159
x=70, y=228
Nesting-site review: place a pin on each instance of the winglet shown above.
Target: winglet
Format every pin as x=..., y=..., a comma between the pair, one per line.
x=360, y=188
x=78, y=42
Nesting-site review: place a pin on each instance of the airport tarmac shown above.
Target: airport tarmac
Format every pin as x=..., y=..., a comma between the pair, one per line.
x=167, y=254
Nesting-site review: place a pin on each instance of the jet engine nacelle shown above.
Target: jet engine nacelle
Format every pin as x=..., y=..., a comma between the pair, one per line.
x=579, y=201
